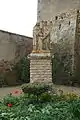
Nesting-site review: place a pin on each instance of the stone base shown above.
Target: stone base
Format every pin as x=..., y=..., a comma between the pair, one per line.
x=40, y=68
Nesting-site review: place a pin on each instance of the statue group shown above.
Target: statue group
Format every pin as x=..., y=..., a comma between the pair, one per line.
x=41, y=37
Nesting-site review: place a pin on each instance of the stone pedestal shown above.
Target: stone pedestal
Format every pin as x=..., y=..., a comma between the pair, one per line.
x=40, y=68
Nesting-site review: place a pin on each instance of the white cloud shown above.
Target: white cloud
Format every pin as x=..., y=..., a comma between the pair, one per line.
x=18, y=16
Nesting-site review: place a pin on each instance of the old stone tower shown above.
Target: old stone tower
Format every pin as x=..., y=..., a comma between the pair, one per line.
x=49, y=8
x=57, y=33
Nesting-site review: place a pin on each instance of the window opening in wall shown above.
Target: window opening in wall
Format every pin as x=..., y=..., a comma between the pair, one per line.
x=69, y=23
x=77, y=11
x=59, y=26
x=38, y=1
x=61, y=17
x=56, y=17
x=38, y=11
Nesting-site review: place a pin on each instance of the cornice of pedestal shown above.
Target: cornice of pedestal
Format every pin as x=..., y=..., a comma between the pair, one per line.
x=40, y=51
x=40, y=54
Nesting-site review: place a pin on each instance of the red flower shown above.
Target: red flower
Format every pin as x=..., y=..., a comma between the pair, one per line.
x=16, y=91
x=9, y=105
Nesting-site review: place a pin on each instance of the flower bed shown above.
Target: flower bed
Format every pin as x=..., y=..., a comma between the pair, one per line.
x=23, y=107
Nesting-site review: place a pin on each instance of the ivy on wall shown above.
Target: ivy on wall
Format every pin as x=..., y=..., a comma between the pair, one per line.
x=61, y=68
x=23, y=70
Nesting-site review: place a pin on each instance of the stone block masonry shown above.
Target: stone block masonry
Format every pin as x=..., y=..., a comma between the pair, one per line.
x=58, y=30
x=60, y=37
x=14, y=47
x=40, y=68
x=49, y=8
x=63, y=39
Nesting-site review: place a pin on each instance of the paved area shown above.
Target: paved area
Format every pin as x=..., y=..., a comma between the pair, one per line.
x=6, y=90
x=67, y=89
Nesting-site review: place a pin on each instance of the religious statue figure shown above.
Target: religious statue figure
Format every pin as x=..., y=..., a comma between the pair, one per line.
x=41, y=37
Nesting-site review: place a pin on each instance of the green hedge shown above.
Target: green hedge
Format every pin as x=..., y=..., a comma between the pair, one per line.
x=35, y=89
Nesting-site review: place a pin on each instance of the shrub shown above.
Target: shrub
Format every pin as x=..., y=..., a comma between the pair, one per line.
x=71, y=96
x=35, y=89
x=23, y=70
x=45, y=97
x=9, y=99
x=59, y=110
x=57, y=98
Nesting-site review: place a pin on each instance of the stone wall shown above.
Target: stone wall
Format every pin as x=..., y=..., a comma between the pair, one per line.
x=63, y=19
x=77, y=49
x=63, y=39
x=49, y=8
x=14, y=46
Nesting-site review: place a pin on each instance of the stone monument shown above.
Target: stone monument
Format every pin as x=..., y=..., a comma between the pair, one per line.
x=40, y=58
x=56, y=33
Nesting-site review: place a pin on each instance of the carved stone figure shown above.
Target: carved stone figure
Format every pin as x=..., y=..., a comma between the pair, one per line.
x=35, y=36
x=41, y=37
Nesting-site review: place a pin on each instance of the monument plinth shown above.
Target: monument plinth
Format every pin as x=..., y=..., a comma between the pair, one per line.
x=40, y=67
x=40, y=58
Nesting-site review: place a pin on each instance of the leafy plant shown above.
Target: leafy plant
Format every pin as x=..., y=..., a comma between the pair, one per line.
x=71, y=96
x=58, y=110
x=9, y=99
x=35, y=89
x=45, y=97
x=23, y=70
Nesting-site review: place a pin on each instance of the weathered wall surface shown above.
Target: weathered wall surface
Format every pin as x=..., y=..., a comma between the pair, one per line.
x=64, y=36
x=77, y=49
x=62, y=31
x=14, y=46
x=63, y=39
x=49, y=8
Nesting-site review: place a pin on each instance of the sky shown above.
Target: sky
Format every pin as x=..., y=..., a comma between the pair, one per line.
x=18, y=16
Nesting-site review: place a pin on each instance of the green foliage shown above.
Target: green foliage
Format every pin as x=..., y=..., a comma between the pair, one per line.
x=35, y=88
x=58, y=110
x=45, y=97
x=71, y=96
x=61, y=69
x=23, y=70
x=10, y=99
x=57, y=98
